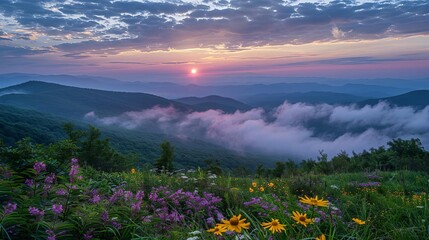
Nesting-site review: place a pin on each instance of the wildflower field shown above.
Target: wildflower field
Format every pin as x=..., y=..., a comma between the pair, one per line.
x=68, y=201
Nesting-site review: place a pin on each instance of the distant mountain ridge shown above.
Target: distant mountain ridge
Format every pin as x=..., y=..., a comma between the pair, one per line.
x=73, y=102
x=367, y=89
x=274, y=100
x=214, y=102
x=418, y=99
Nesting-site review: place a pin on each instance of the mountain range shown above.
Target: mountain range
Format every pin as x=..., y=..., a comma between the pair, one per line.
x=39, y=109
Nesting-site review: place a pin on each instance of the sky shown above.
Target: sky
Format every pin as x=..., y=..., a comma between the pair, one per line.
x=138, y=40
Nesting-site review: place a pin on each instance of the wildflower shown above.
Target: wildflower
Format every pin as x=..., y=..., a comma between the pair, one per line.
x=39, y=167
x=196, y=232
x=51, y=235
x=74, y=161
x=193, y=238
x=261, y=189
x=235, y=224
x=251, y=190
x=57, y=208
x=88, y=235
x=358, y=221
x=314, y=201
x=36, y=212
x=133, y=170
x=9, y=208
x=321, y=237
x=254, y=184
x=61, y=192
x=218, y=230
x=274, y=226
x=301, y=218
x=29, y=182
x=270, y=184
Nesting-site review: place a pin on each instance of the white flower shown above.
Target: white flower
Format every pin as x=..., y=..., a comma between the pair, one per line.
x=193, y=238
x=334, y=187
x=212, y=176
x=195, y=232
x=420, y=207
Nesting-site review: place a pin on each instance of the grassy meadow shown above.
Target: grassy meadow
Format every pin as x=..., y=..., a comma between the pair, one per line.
x=74, y=202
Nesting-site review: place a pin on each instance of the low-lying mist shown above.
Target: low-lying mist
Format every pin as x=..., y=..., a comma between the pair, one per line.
x=298, y=131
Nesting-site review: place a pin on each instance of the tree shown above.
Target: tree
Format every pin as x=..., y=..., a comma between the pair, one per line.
x=341, y=162
x=279, y=169
x=165, y=161
x=213, y=166
x=97, y=152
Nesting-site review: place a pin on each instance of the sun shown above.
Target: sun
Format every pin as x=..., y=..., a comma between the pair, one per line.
x=194, y=71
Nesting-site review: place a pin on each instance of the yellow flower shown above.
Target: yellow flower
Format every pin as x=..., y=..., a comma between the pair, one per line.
x=133, y=170
x=254, y=184
x=270, y=184
x=250, y=189
x=274, y=225
x=261, y=189
x=358, y=221
x=218, y=230
x=301, y=218
x=314, y=201
x=321, y=237
x=235, y=224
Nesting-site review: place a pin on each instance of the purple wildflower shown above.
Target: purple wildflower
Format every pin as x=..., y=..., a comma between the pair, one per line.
x=29, y=182
x=136, y=206
x=39, y=167
x=49, y=180
x=128, y=195
x=61, y=192
x=57, y=208
x=369, y=184
x=116, y=224
x=88, y=235
x=9, y=208
x=74, y=161
x=36, y=212
x=95, y=199
x=51, y=235
x=105, y=216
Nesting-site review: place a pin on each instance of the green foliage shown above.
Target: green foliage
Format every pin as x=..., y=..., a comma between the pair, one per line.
x=97, y=152
x=165, y=161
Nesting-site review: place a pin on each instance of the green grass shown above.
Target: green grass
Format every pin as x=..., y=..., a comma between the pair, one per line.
x=397, y=208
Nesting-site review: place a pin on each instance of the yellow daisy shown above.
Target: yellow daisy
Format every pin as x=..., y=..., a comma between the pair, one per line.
x=314, y=201
x=274, y=226
x=235, y=224
x=251, y=190
x=133, y=170
x=321, y=237
x=301, y=218
x=254, y=184
x=261, y=189
x=218, y=230
x=358, y=221
x=270, y=184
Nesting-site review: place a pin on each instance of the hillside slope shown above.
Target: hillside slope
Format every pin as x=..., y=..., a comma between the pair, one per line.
x=16, y=124
x=73, y=102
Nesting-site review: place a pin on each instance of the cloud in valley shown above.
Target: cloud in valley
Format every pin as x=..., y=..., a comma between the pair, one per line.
x=290, y=130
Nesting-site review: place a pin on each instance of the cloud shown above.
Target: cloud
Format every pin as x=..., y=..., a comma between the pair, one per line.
x=6, y=51
x=337, y=33
x=291, y=130
x=111, y=26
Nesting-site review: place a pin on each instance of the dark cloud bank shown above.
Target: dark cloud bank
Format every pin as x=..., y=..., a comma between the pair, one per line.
x=148, y=26
x=294, y=130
